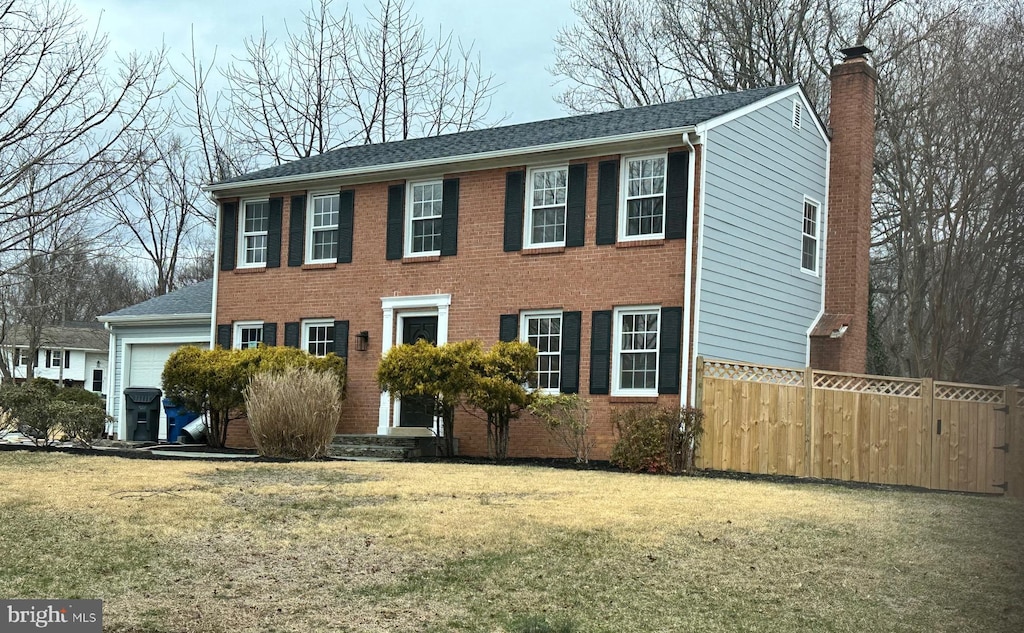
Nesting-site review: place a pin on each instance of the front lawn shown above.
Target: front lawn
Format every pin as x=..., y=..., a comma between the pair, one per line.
x=357, y=546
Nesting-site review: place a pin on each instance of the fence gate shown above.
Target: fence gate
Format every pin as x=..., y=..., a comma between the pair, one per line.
x=969, y=442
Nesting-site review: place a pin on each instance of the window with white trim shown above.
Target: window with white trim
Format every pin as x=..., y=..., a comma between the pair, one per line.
x=543, y=330
x=248, y=334
x=254, y=222
x=54, y=358
x=322, y=228
x=318, y=337
x=545, y=218
x=424, y=218
x=811, y=228
x=635, y=358
x=644, y=197
x=21, y=356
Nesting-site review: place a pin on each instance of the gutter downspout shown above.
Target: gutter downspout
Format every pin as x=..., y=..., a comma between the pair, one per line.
x=692, y=207
x=216, y=276
x=108, y=381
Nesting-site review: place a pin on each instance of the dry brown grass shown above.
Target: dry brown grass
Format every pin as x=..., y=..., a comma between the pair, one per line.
x=201, y=546
x=293, y=413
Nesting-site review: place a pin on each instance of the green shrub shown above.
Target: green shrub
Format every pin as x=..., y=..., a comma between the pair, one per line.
x=213, y=382
x=45, y=412
x=293, y=413
x=82, y=423
x=656, y=439
x=500, y=376
x=567, y=418
x=78, y=395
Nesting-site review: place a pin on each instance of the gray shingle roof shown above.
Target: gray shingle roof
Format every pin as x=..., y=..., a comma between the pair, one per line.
x=663, y=116
x=87, y=336
x=194, y=299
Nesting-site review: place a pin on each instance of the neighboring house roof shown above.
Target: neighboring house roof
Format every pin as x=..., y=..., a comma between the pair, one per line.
x=191, y=303
x=587, y=127
x=89, y=337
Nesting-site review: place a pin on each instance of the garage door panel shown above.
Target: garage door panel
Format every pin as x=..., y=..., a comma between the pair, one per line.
x=146, y=365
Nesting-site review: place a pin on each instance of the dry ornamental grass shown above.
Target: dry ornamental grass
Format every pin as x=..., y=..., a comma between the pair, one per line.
x=201, y=546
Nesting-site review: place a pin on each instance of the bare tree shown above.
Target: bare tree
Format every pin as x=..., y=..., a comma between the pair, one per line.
x=332, y=83
x=63, y=116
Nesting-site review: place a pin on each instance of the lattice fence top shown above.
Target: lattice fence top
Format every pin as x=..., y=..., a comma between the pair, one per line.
x=753, y=373
x=969, y=393
x=864, y=384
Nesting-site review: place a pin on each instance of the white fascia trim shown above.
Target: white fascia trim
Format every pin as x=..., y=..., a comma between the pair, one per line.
x=705, y=153
x=197, y=318
x=757, y=105
x=692, y=208
x=823, y=210
x=448, y=161
x=216, y=274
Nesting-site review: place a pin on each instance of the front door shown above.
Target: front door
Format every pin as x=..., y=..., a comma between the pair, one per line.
x=418, y=411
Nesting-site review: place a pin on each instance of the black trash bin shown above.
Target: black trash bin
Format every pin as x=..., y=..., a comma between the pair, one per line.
x=142, y=408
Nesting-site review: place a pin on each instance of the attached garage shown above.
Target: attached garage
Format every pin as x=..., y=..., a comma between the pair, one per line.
x=143, y=336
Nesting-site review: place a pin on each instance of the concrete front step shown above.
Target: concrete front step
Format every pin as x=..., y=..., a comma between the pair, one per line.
x=374, y=451
x=375, y=440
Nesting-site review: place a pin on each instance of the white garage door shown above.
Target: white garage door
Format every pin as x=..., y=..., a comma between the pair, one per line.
x=146, y=363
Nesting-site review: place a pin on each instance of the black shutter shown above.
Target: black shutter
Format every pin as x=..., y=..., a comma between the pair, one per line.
x=341, y=338
x=670, y=331
x=571, y=324
x=396, y=221
x=228, y=235
x=607, y=201
x=449, y=216
x=600, y=352
x=292, y=334
x=346, y=224
x=675, y=195
x=576, y=205
x=224, y=335
x=276, y=207
x=509, y=328
x=66, y=355
x=270, y=333
x=48, y=358
x=515, y=194
x=297, y=231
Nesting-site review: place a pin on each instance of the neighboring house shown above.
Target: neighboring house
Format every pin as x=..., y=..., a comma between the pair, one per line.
x=72, y=353
x=621, y=244
x=144, y=335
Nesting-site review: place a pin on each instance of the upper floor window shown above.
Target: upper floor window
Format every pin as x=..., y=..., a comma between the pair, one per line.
x=424, y=218
x=543, y=330
x=248, y=334
x=635, y=359
x=809, y=251
x=545, y=219
x=644, y=198
x=322, y=237
x=255, y=222
x=318, y=337
x=21, y=356
x=56, y=357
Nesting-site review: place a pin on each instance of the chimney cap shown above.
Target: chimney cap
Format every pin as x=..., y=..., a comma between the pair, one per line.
x=855, y=52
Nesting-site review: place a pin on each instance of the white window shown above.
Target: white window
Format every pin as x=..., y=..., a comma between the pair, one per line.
x=545, y=218
x=635, y=359
x=318, y=337
x=255, y=222
x=424, y=218
x=322, y=228
x=543, y=330
x=21, y=356
x=55, y=357
x=643, y=198
x=798, y=113
x=248, y=334
x=811, y=224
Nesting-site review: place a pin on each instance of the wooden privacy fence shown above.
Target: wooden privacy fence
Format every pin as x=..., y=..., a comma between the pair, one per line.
x=903, y=431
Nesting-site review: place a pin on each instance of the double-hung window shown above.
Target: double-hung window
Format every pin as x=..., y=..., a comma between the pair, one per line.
x=644, y=198
x=545, y=220
x=248, y=334
x=21, y=356
x=318, y=337
x=543, y=330
x=811, y=224
x=635, y=360
x=424, y=218
x=255, y=222
x=322, y=238
x=56, y=357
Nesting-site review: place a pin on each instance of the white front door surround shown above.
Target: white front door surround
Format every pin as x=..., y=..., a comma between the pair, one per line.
x=400, y=307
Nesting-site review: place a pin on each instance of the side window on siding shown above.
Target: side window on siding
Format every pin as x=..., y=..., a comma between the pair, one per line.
x=811, y=233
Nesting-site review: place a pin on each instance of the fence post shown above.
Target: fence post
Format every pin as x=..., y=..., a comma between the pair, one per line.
x=698, y=396
x=1014, y=462
x=928, y=476
x=808, y=418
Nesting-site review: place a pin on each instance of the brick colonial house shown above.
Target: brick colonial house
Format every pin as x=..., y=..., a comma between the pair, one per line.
x=621, y=244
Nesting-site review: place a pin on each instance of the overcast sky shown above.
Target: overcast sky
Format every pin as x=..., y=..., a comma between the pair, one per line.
x=515, y=39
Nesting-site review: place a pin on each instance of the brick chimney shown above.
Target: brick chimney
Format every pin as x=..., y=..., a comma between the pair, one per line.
x=839, y=339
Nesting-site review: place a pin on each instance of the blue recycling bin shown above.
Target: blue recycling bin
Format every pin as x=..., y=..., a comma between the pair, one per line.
x=177, y=418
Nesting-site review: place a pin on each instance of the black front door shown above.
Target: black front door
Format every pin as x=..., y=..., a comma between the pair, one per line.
x=418, y=411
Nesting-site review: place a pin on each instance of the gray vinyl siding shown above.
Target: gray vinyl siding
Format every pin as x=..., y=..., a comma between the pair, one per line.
x=756, y=304
x=143, y=334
